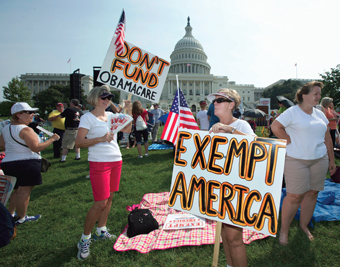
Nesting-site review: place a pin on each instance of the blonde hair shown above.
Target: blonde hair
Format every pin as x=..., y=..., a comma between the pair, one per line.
x=232, y=94
x=94, y=94
x=306, y=89
x=326, y=101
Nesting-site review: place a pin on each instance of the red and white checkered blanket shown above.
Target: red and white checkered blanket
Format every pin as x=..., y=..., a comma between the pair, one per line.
x=157, y=203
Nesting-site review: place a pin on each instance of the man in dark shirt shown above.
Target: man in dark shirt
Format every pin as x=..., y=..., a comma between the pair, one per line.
x=72, y=117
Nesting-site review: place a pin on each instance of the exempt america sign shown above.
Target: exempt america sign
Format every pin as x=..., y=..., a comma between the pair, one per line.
x=234, y=179
x=135, y=71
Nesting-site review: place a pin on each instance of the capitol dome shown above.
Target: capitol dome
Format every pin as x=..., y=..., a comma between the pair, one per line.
x=188, y=55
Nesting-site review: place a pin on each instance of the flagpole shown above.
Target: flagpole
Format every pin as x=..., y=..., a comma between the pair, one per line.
x=296, y=71
x=179, y=101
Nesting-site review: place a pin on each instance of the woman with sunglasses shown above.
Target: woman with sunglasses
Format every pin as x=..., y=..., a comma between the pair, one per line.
x=225, y=102
x=22, y=159
x=105, y=163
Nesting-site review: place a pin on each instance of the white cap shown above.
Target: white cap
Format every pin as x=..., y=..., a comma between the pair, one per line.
x=21, y=106
x=211, y=97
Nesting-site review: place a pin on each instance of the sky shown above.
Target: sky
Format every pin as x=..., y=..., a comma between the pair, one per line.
x=251, y=41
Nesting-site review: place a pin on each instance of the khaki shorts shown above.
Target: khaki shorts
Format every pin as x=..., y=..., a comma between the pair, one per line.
x=69, y=139
x=304, y=175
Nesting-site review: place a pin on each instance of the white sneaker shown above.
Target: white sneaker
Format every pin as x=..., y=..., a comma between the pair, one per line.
x=83, y=248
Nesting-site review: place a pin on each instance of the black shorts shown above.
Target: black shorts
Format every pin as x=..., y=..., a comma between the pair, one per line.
x=27, y=171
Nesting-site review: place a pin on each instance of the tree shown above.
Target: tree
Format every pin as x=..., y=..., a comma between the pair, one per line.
x=5, y=108
x=331, y=81
x=287, y=89
x=46, y=100
x=16, y=91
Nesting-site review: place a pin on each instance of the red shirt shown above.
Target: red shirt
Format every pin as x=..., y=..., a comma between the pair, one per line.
x=135, y=116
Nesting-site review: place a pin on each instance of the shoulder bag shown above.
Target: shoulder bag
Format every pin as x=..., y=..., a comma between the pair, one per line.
x=140, y=124
x=45, y=164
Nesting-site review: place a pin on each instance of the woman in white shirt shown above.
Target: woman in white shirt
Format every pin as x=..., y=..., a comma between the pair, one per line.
x=105, y=163
x=225, y=101
x=309, y=154
x=22, y=159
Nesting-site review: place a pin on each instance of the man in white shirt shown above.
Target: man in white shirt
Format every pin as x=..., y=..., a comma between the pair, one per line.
x=157, y=112
x=202, y=118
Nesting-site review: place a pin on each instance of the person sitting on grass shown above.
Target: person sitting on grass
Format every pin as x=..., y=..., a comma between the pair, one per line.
x=105, y=164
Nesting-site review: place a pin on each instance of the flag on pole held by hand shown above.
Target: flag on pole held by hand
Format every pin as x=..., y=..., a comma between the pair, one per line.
x=180, y=116
x=120, y=34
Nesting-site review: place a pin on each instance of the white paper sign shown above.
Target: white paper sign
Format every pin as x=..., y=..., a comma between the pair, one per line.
x=45, y=131
x=183, y=221
x=234, y=179
x=136, y=71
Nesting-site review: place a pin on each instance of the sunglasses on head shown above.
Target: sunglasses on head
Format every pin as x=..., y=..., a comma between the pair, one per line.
x=28, y=112
x=221, y=99
x=106, y=97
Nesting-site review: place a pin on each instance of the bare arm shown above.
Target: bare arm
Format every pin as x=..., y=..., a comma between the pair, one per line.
x=279, y=130
x=114, y=108
x=2, y=143
x=224, y=128
x=330, y=151
x=32, y=141
x=82, y=142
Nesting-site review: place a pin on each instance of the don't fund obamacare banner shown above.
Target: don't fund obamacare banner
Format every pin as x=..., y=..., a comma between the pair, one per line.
x=234, y=179
x=135, y=71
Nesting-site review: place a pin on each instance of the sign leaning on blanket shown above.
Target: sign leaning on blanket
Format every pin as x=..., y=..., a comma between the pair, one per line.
x=234, y=179
x=135, y=71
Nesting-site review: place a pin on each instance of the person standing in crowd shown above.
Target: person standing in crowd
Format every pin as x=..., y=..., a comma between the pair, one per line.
x=331, y=115
x=157, y=113
x=72, y=117
x=22, y=159
x=225, y=101
x=105, y=164
x=211, y=116
x=58, y=128
x=38, y=119
x=202, y=117
x=309, y=154
x=138, y=110
x=282, y=109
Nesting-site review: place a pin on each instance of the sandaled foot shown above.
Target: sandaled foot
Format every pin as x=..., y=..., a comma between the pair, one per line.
x=283, y=239
x=308, y=233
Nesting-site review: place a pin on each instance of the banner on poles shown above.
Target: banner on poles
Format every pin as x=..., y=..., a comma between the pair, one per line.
x=234, y=179
x=135, y=71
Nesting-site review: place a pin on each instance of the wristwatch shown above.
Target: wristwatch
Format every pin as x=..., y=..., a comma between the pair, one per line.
x=234, y=128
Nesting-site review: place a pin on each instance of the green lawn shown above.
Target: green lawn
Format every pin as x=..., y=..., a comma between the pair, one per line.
x=65, y=197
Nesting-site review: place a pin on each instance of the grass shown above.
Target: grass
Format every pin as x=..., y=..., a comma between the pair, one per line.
x=65, y=197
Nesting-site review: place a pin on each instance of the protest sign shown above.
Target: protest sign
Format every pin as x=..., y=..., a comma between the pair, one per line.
x=234, y=179
x=135, y=71
x=7, y=184
x=183, y=221
x=119, y=121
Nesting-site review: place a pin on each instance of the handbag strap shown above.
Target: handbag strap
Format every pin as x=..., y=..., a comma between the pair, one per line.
x=10, y=132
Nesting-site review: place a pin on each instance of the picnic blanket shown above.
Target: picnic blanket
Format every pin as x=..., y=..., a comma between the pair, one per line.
x=164, y=239
x=327, y=206
x=160, y=146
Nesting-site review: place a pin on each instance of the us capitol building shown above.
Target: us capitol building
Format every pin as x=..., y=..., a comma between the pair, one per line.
x=189, y=62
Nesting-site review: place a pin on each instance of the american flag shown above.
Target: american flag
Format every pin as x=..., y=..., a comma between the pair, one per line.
x=69, y=60
x=120, y=34
x=189, y=64
x=180, y=116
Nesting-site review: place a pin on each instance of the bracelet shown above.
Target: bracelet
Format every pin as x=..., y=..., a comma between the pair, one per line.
x=234, y=128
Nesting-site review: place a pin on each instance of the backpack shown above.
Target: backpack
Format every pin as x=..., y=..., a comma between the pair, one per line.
x=7, y=226
x=140, y=124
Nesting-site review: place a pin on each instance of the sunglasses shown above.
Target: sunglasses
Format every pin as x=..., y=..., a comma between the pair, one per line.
x=28, y=112
x=106, y=97
x=221, y=99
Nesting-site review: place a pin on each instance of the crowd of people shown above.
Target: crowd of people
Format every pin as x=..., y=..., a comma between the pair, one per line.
x=309, y=131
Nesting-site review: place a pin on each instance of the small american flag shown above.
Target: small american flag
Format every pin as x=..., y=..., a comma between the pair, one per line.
x=120, y=34
x=69, y=60
x=189, y=64
x=295, y=64
x=180, y=116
